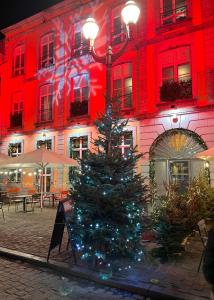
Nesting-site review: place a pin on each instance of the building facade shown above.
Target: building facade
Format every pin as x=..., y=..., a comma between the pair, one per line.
x=51, y=89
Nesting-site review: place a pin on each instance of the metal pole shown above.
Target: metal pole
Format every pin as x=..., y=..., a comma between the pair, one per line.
x=108, y=76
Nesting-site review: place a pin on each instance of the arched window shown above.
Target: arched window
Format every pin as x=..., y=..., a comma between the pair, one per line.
x=172, y=154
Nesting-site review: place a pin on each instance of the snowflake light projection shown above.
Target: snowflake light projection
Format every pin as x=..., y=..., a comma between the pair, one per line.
x=65, y=66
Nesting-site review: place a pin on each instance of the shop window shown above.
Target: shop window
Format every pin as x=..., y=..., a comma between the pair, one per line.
x=78, y=147
x=173, y=11
x=46, y=103
x=179, y=173
x=79, y=103
x=14, y=149
x=47, y=50
x=47, y=144
x=80, y=44
x=176, y=82
x=122, y=85
x=173, y=159
x=18, y=61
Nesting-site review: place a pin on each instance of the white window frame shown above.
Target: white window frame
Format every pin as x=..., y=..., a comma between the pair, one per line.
x=46, y=40
x=123, y=77
x=46, y=91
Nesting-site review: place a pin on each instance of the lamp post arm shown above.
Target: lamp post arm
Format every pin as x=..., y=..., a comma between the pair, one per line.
x=100, y=59
x=116, y=55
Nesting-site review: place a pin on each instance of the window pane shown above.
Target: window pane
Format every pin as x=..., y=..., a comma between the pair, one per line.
x=179, y=3
x=184, y=72
x=84, y=153
x=85, y=141
x=77, y=95
x=75, y=142
x=117, y=25
x=75, y=154
x=77, y=40
x=128, y=139
x=85, y=93
x=168, y=74
x=167, y=5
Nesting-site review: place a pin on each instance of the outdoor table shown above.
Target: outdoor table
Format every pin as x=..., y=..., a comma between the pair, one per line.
x=52, y=196
x=24, y=197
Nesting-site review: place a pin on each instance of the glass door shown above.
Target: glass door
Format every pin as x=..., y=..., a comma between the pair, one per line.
x=179, y=173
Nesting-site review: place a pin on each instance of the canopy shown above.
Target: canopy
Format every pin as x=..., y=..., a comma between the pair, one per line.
x=206, y=155
x=38, y=158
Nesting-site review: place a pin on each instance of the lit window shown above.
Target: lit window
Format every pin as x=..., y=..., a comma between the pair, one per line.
x=18, y=61
x=118, y=27
x=79, y=104
x=173, y=11
x=47, y=50
x=184, y=72
x=78, y=146
x=46, y=143
x=46, y=103
x=14, y=149
x=127, y=142
x=80, y=44
x=179, y=174
x=122, y=85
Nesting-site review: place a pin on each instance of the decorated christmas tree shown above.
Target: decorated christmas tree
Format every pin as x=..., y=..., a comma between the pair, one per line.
x=109, y=197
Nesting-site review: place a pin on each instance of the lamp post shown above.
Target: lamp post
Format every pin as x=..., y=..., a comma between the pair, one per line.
x=130, y=14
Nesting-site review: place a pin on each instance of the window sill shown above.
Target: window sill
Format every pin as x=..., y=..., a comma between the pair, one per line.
x=11, y=128
x=188, y=101
x=172, y=26
x=41, y=123
x=77, y=119
x=47, y=67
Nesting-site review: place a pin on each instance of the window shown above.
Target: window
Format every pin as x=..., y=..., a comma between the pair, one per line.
x=46, y=143
x=14, y=149
x=78, y=146
x=122, y=85
x=176, y=82
x=46, y=103
x=179, y=173
x=173, y=11
x=127, y=142
x=17, y=111
x=18, y=61
x=80, y=44
x=118, y=27
x=47, y=50
x=79, y=105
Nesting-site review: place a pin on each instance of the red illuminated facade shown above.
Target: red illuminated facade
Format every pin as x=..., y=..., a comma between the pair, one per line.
x=52, y=89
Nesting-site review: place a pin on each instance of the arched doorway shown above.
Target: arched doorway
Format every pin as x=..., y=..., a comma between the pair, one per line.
x=172, y=157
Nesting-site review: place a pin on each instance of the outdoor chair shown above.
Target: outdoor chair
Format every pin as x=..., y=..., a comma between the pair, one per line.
x=204, y=237
x=36, y=198
x=13, y=200
x=1, y=207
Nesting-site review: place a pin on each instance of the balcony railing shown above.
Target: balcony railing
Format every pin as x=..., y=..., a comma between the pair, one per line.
x=16, y=120
x=78, y=108
x=175, y=90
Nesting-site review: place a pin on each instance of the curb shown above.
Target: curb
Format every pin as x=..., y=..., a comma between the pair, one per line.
x=145, y=289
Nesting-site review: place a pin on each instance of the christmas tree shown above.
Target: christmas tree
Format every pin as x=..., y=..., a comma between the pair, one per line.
x=109, y=197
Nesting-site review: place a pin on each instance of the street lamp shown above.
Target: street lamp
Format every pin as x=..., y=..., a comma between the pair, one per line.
x=130, y=14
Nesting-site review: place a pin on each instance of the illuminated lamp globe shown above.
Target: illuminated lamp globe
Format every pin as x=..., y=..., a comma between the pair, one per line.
x=90, y=29
x=130, y=12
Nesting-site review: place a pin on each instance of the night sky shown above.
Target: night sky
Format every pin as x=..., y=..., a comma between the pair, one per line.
x=16, y=10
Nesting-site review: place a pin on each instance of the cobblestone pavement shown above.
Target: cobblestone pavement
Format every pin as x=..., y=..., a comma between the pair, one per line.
x=22, y=281
x=31, y=233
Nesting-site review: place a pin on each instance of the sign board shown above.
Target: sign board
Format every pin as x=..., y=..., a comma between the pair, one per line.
x=63, y=214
